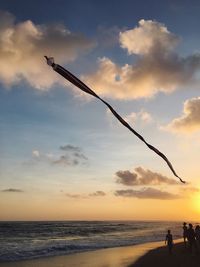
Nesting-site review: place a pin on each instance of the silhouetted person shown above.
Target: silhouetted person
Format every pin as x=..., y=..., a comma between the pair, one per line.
x=191, y=238
x=185, y=232
x=197, y=234
x=169, y=241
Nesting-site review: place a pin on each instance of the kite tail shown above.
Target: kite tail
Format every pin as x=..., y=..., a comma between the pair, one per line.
x=74, y=80
x=166, y=160
x=141, y=138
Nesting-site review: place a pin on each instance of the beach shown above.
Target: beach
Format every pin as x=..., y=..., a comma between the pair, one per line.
x=159, y=257
x=153, y=254
x=110, y=257
x=92, y=244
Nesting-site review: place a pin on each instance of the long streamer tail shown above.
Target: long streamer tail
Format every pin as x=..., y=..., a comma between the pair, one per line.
x=74, y=80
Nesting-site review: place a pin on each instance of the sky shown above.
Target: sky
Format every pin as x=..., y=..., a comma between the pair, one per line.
x=63, y=154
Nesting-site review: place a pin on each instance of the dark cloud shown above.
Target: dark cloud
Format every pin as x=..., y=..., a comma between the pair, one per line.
x=82, y=196
x=80, y=156
x=146, y=193
x=12, y=190
x=75, y=196
x=73, y=156
x=127, y=178
x=66, y=160
x=97, y=194
x=70, y=156
x=70, y=148
x=142, y=177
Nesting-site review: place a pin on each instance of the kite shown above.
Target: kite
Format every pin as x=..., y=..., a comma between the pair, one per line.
x=74, y=80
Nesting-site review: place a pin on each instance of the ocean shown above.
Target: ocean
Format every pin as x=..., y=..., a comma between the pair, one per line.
x=29, y=240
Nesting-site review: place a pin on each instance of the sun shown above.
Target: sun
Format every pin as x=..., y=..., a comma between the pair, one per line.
x=196, y=202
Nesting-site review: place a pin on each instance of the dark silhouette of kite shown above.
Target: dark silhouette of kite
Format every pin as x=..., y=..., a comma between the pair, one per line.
x=74, y=80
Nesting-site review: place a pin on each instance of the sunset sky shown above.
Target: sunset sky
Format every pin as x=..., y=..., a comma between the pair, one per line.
x=63, y=154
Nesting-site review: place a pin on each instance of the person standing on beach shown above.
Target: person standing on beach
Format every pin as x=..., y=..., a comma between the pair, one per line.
x=169, y=241
x=185, y=230
x=197, y=234
x=191, y=238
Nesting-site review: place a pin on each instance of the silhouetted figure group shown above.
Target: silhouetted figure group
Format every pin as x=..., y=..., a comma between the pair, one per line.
x=191, y=238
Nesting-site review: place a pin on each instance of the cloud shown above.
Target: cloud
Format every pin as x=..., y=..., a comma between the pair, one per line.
x=75, y=151
x=141, y=116
x=12, y=190
x=158, y=66
x=23, y=45
x=141, y=176
x=190, y=120
x=81, y=196
x=65, y=160
x=189, y=190
x=36, y=153
x=75, y=196
x=146, y=193
x=97, y=194
x=192, y=189
x=127, y=178
x=71, y=156
x=70, y=148
x=149, y=37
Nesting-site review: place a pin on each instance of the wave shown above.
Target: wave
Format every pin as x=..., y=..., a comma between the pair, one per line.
x=22, y=240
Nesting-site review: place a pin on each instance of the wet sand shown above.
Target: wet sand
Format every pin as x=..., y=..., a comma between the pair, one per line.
x=146, y=255
x=111, y=257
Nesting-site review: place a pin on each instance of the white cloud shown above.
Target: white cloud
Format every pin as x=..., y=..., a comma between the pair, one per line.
x=23, y=45
x=147, y=37
x=141, y=116
x=158, y=68
x=131, y=118
x=36, y=153
x=190, y=120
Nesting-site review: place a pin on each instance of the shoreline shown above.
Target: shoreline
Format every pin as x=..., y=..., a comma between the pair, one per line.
x=108, y=257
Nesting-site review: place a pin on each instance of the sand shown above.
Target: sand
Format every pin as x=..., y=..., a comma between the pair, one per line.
x=158, y=257
x=145, y=255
